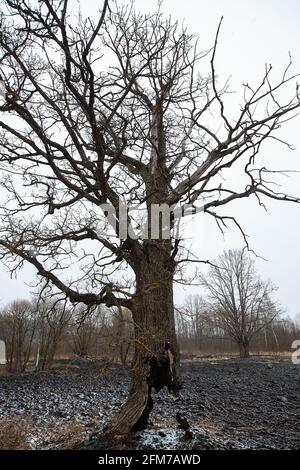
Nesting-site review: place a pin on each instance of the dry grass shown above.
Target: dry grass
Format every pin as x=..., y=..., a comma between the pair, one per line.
x=202, y=356
x=19, y=433
x=275, y=354
x=72, y=434
x=14, y=434
x=3, y=371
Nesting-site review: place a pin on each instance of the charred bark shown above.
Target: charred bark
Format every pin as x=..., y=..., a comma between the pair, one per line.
x=244, y=349
x=156, y=357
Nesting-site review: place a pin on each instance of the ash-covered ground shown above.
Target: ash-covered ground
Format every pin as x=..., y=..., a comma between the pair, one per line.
x=229, y=404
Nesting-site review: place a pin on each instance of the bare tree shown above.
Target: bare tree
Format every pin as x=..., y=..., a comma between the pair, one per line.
x=52, y=320
x=240, y=300
x=84, y=330
x=195, y=313
x=18, y=328
x=212, y=337
x=123, y=332
x=78, y=133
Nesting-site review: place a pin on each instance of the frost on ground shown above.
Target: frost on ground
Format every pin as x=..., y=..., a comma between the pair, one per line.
x=233, y=404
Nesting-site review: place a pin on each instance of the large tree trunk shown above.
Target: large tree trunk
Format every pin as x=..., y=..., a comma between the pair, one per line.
x=156, y=357
x=244, y=348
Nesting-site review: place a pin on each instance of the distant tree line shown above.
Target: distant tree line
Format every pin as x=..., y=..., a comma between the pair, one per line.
x=198, y=333
x=239, y=312
x=238, y=315
x=37, y=332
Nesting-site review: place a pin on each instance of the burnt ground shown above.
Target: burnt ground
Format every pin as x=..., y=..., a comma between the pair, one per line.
x=230, y=404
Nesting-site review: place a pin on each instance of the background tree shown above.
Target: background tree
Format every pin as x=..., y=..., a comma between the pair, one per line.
x=77, y=133
x=275, y=338
x=195, y=313
x=240, y=301
x=18, y=322
x=123, y=333
x=82, y=332
x=52, y=320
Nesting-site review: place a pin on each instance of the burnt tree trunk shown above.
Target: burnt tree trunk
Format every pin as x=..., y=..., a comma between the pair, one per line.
x=156, y=358
x=244, y=348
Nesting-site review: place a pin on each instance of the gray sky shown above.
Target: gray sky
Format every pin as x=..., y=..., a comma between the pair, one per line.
x=253, y=33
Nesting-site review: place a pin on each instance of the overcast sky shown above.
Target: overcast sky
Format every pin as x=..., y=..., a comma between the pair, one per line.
x=253, y=33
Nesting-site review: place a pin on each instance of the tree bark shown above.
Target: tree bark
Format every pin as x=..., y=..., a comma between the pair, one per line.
x=244, y=349
x=156, y=357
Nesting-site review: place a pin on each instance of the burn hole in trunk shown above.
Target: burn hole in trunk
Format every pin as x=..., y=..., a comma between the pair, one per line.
x=161, y=374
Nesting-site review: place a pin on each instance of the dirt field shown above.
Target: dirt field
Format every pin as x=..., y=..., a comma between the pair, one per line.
x=230, y=404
